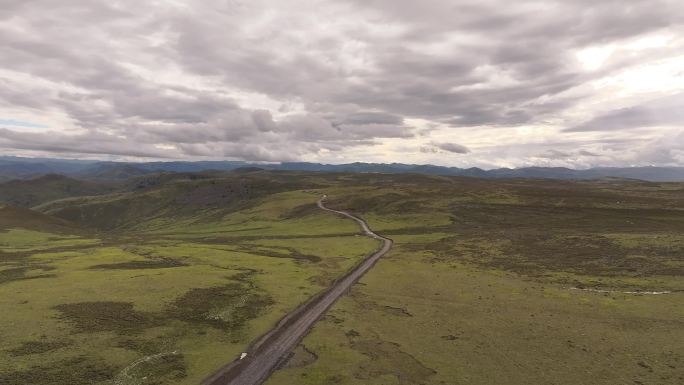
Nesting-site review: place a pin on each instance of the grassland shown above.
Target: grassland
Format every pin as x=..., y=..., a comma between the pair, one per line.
x=509, y=281
x=515, y=282
x=167, y=303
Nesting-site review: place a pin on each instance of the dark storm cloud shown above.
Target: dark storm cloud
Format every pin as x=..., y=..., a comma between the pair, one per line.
x=530, y=41
x=587, y=153
x=372, y=118
x=88, y=143
x=437, y=148
x=582, y=21
x=664, y=111
x=452, y=147
x=566, y=155
x=554, y=154
x=265, y=80
x=409, y=81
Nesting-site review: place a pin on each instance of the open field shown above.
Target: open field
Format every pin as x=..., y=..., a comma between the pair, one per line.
x=519, y=283
x=506, y=281
x=160, y=307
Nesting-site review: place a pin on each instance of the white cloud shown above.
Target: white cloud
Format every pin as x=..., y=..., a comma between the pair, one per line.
x=481, y=83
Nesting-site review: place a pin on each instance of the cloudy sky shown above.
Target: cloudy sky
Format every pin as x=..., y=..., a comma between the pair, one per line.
x=486, y=83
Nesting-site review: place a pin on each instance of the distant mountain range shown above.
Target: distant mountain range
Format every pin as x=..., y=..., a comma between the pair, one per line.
x=21, y=168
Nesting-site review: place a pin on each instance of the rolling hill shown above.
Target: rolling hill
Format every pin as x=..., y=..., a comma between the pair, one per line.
x=175, y=273
x=170, y=195
x=49, y=187
x=14, y=167
x=17, y=217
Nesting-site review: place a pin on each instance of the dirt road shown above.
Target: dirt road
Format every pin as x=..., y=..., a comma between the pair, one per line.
x=265, y=354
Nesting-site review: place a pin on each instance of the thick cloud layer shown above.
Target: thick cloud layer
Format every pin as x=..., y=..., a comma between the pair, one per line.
x=485, y=83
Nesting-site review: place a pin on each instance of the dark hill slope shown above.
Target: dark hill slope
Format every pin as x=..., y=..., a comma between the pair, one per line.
x=32, y=192
x=18, y=217
x=113, y=172
x=196, y=196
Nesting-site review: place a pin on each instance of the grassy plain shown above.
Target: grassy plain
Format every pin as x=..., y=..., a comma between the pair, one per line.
x=164, y=303
x=513, y=282
x=490, y=281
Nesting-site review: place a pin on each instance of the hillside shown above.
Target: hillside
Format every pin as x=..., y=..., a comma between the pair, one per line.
x=115, y=171
x=32, y=192
x=169, y=196
x=18, y=167
x=210, y=266
x=17, y=217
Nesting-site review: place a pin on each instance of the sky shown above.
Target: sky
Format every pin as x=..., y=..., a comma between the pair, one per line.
x=484, y=83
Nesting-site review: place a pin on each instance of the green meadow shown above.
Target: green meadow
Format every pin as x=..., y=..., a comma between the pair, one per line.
x=509, y=282
x=164, y=306
x=489, y=281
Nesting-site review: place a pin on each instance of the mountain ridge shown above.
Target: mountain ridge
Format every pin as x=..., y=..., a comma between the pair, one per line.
x=20, y=168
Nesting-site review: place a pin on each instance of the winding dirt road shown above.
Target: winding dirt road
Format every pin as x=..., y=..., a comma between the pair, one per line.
x=269, y=351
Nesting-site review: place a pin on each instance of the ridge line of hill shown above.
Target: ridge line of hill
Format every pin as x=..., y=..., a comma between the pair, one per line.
x=21, y=168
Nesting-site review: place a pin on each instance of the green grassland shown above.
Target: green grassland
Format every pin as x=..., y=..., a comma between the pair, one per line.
x=509, y=282
x=164, y=301
x=490, y=281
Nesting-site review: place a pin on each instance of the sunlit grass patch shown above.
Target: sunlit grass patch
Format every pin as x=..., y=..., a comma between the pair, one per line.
x=14, y=240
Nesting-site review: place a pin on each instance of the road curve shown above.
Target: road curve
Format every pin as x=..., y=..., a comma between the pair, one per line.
x=270, y=350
